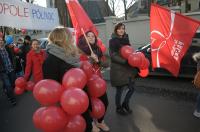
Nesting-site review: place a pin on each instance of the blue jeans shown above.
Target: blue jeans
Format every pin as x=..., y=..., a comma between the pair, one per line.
x=198, y=102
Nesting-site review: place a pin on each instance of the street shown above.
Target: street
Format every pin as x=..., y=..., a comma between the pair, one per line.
x=151, y=112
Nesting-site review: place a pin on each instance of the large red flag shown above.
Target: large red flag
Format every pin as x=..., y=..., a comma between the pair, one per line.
x=171, y=36
x=79, y=18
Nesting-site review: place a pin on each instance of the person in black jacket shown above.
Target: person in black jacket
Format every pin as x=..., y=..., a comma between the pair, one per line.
x=25, y=48
x=121, y=74
x=61, y=57
x=7, y=73
x=96, y=61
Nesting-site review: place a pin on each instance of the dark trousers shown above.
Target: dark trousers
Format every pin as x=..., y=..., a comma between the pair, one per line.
x=198, y=102
x=8, y=80
x=12, y=77
x=88, y=120
x=128, y=95
x=104, y=99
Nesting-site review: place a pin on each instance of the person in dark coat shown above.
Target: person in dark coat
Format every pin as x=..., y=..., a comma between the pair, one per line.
x=61, y=57
x=34, y=62
x=19, y=68
x=7, y=73
x=196, y=113
x=97, y=63
x=25, y=48
x=121, y=73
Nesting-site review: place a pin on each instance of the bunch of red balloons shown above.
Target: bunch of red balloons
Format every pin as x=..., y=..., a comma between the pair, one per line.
x=21, y=85
x=136, y=59
x=72, y=98
x=96, y=87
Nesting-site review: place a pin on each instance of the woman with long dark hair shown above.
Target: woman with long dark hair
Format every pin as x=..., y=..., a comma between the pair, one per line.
x=121, y=74
x=97, y=62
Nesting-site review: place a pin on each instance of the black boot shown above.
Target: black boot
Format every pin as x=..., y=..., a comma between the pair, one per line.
x=126, y=107
x=121, y=111
x=11, y=98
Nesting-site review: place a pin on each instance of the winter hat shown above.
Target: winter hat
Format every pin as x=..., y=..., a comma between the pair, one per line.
x=9, y=39
x=27, y=37
x=21, y=39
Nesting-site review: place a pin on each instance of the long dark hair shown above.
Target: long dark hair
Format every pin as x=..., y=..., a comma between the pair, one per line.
x=117, y=26
x=83, y=46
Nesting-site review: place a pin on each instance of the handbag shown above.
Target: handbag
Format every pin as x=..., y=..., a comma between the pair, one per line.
x=197, y=80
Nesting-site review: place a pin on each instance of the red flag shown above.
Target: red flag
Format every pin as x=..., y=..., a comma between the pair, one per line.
x=79, y=18
x=171, y=36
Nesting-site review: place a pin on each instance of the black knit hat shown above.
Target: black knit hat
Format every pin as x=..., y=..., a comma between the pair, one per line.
x=27, y=37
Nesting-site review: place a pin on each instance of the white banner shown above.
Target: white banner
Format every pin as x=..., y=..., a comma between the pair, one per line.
x=19, y=14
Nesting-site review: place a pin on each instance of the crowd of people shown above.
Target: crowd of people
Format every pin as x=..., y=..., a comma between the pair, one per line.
x=60, y=55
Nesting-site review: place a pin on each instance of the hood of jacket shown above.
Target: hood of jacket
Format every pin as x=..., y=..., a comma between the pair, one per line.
x=60, y=53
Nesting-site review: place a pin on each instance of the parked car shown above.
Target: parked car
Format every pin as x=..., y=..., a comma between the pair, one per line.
x=187, y=66
x=43, y=42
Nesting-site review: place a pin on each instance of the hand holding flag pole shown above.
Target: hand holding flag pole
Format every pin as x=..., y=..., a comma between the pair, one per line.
x=92, y=53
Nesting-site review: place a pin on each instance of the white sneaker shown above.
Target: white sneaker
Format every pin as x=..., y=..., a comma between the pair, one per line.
x=196, y=114
x=103, y=126
x=95, y=128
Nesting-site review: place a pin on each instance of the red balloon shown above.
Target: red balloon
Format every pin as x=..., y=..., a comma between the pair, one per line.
x=74, y=78
x=144, y=73
x=47, y=92
x=98, y=108
x=74, y=101
x=94, y=76
x=20, y=82
x=87, y=68
x=76, y=124
x=135, y=59
x=125, y=51
x=18, y=91
x=145, y=64
x=53, y=118
x=23, y=30
x=30, y=85
x=37, y=117
x=16, y=50
x=96, y=87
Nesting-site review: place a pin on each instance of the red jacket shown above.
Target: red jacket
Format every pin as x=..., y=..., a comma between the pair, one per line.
x=34, y=63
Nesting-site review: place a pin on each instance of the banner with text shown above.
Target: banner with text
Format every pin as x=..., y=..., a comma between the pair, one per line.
x=19, y=14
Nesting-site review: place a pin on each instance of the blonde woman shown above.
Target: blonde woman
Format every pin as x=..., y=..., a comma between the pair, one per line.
x=62, y=55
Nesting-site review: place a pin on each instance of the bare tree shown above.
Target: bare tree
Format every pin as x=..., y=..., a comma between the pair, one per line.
x=114, y=5
x=30, y=1
x=127, y=4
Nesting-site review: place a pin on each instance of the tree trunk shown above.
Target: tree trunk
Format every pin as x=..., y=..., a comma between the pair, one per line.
x=186, y=6
x=125, y=10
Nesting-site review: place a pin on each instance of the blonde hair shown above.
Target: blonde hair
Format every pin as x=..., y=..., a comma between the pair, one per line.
x=62, y=37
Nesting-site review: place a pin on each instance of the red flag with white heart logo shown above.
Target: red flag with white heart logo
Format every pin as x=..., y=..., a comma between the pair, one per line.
x=171, y=36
